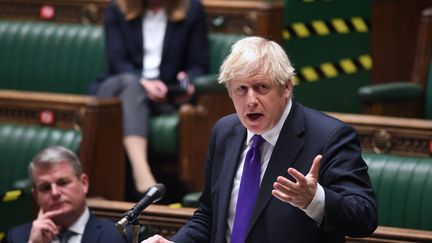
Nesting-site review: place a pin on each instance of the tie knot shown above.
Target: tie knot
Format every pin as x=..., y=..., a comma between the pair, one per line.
x=65, y=234
x=257, y=140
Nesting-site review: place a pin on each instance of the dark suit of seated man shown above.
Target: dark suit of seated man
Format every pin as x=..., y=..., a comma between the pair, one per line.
x=310, y=183
x=59, y=187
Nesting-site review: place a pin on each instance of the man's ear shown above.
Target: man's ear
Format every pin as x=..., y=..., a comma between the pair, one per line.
x=85, y=182
x=288, y=88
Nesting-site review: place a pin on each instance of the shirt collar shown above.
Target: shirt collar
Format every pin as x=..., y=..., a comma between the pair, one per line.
x=79, y=225
x=272, y=135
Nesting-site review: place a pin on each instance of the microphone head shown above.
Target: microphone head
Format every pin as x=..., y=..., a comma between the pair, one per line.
x=157, y=191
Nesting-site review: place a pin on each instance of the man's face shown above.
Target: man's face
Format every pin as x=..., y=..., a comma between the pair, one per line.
x=57, y=187
x=259, y=102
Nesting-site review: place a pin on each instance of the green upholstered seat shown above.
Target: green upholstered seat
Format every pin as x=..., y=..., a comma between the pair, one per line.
x=50, y=57
x=18, y=145
x=403, y=186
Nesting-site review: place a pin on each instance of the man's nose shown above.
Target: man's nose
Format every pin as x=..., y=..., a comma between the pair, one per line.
x=251, y=97
x=55, y=190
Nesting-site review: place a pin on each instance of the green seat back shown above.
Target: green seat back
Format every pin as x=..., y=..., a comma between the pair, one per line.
x=403, y=186
x=163, y=134
x=51, y=57
x=18, y=145
x=220, y=46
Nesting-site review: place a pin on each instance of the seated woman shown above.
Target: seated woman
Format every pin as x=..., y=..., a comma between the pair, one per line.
x=151, y=45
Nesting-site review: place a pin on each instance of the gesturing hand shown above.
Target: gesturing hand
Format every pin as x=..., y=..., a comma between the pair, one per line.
x=43, y=228
x=156, y=239
x=301, y=192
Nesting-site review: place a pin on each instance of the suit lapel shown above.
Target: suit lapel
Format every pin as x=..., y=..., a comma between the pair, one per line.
x=233, y=149
x=286, y=150
x=92, y=230
x=168, y=39
x=136, y=30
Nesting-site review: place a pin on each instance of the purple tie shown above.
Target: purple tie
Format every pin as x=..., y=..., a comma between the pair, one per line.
x=248, y=192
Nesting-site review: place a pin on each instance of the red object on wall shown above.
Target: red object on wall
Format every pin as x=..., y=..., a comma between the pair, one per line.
x=46, y=118
x=47, y=12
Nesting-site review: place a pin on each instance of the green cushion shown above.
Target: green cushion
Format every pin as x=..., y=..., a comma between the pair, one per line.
x=404, y=190
x=163, y=135
x=220, y=46
x=51, y=57
x=191, y=199
x=388, y=92
x=18, y=145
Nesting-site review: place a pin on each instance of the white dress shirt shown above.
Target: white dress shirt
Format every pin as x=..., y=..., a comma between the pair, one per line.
x=154, y=27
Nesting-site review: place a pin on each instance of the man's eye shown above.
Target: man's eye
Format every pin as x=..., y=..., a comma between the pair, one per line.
x=242, y=90
x=262, y=89
x=63, y=182
x=44, y=188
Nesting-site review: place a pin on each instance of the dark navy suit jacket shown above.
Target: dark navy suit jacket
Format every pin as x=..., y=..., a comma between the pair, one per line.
x=185, y=46
x=350, y=203
x=96, y=230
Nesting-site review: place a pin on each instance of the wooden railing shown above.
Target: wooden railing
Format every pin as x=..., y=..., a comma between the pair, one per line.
x=166, y=221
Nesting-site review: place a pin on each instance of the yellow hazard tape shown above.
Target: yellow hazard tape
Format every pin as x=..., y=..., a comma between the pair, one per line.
x=325, y=27
x=175, y=205
x=12, y=195
x=346, y=66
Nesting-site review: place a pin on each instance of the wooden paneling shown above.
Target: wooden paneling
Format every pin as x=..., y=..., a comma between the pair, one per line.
x=395, y=24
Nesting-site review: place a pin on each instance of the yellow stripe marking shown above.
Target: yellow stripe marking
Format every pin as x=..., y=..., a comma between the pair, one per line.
x=359, y=24
x=366, y=61
x=320, y=27
x=11, y=195
x=295, y=80
x=286, y=35
x=340, y=25
x=175, y=205
x=309, y=73
x=348, y=66
x=300, y=29
x=329, y=70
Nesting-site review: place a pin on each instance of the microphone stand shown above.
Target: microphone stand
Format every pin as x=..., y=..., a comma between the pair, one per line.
x=154, y=194
x=135, y=229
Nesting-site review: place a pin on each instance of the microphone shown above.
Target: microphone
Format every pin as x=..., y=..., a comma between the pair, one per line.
x=154, y=194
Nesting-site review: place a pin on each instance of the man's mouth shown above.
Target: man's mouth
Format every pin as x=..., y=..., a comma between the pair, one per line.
x=254, y=116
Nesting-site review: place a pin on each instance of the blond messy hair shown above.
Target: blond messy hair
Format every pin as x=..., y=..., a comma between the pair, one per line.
x=256, y=55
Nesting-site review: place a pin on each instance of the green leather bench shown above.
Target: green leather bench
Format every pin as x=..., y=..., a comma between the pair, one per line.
x=403, y=186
